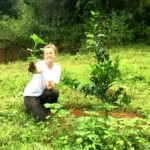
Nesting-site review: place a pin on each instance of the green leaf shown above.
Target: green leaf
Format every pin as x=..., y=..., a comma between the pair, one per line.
x=32, y=58
x=37, y=39
x=63, y=113
x=79, y=140
x=53, y=106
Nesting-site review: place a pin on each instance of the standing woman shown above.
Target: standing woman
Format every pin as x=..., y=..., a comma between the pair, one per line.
x=41, y=89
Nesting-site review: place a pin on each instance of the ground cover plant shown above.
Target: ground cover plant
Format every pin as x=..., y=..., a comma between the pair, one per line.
x=65, y=129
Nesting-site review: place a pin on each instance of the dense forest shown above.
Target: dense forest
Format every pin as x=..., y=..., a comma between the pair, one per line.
x=64, y=22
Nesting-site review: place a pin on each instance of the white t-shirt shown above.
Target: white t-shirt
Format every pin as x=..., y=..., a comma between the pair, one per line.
x=39, y=81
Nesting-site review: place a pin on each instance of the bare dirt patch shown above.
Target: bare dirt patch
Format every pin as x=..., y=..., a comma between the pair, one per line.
x=79, y=112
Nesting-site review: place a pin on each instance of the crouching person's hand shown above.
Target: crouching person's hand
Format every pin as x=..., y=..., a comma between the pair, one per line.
x=50, y=85
x=33, y=68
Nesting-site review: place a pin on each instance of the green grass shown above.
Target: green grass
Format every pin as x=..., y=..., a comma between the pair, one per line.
x=20, y=131
x=135, y=68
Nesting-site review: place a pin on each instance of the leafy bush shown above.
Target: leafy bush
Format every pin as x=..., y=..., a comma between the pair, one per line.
x=69, y=81
x=103, y=76
x=114, y=26
x=105, y=71
x=70, y=38
x=113, y=134
x=141, y=33
x=15, y=33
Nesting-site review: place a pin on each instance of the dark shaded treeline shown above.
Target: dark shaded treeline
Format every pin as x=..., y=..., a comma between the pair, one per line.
x=64, y=22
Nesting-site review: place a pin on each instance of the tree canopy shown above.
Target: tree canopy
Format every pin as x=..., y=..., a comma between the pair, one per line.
x=55, y=20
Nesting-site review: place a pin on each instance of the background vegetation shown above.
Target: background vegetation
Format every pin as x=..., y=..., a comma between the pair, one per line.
x=65, y=22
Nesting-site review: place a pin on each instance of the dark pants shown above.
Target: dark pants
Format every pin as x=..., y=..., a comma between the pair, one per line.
x=35, y=105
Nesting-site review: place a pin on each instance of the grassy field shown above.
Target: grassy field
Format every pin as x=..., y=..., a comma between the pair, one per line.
x=20, y=131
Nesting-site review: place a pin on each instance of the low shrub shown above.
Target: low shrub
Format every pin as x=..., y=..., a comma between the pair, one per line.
x=113, y=134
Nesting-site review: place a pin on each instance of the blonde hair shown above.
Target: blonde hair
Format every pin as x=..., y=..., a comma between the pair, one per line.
x=53, y=47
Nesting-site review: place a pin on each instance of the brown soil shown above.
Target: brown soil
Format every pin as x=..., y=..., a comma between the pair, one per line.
x=123, y=115
x=2, y=56
x=79, y=112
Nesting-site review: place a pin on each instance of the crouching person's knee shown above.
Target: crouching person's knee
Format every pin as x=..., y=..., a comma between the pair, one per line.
x=54, y=95
x=35, y=108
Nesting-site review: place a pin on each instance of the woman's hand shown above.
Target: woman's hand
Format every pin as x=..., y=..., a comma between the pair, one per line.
x=50, y=85
x=33, y=68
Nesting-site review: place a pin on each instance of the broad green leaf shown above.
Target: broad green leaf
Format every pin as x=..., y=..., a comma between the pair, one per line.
x=37, y=39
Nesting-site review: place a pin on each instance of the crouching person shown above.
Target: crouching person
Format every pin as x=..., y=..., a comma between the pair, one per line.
x=41, y=89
